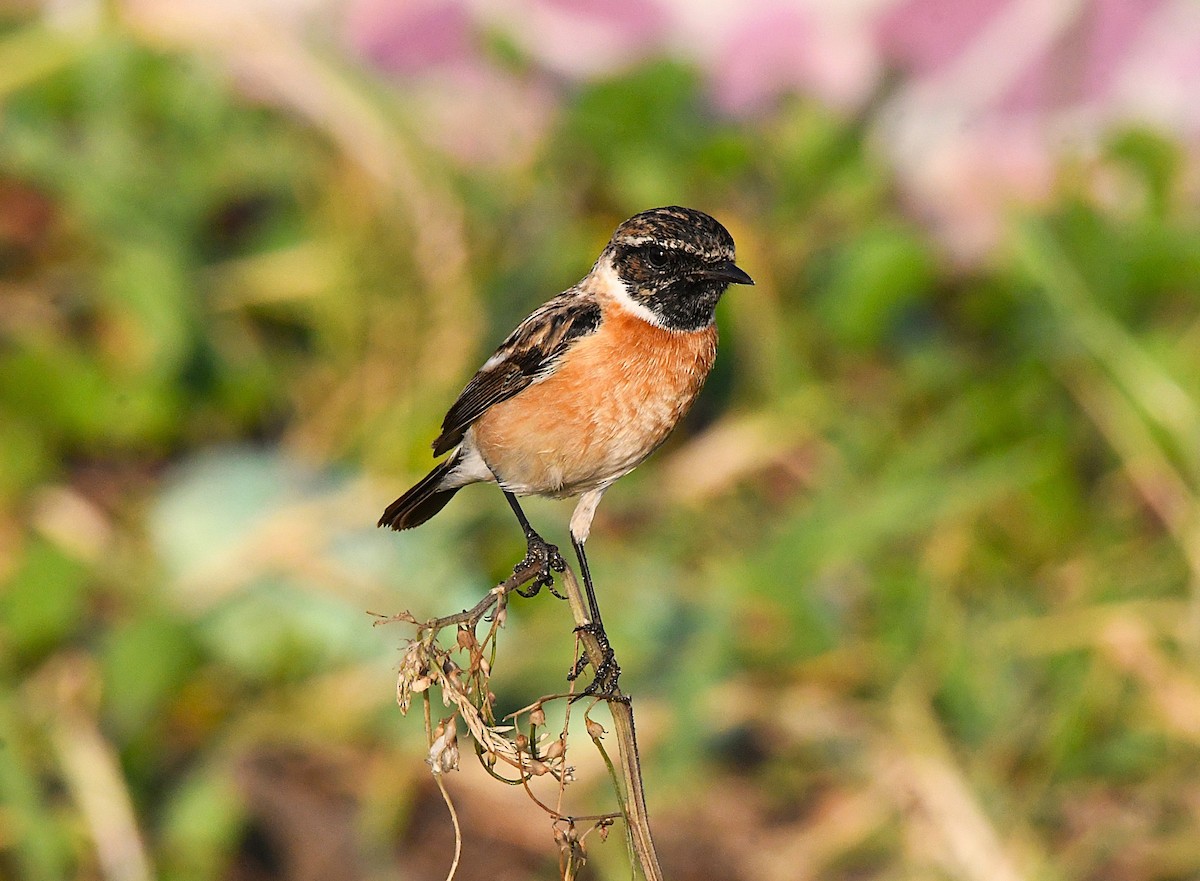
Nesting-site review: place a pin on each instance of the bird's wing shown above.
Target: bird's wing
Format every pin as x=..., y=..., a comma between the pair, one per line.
x=530, y=352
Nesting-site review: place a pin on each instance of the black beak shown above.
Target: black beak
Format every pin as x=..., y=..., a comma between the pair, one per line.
x=726, y=271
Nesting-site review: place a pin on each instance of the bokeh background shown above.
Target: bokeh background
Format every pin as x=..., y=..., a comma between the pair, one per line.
x=914, y=592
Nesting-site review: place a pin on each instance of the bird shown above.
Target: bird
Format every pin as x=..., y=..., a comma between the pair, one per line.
x=588, y=386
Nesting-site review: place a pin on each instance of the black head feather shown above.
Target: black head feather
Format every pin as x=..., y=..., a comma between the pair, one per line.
x=677, y=262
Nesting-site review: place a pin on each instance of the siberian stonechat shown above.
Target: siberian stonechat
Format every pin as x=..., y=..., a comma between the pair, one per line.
x=591, y=383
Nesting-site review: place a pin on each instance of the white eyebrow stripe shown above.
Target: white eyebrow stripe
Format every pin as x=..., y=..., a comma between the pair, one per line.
x=671, y=244
x=644, y=240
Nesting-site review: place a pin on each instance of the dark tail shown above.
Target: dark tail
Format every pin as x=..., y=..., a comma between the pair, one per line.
x=423, y=500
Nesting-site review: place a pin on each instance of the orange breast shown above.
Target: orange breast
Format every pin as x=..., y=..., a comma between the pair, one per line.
x=613, y=399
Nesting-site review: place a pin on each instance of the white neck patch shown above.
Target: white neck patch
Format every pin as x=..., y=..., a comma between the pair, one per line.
x=606, y=283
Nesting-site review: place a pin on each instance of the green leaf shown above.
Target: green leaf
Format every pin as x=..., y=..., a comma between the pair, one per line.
x=871, y=281
x=45, y=600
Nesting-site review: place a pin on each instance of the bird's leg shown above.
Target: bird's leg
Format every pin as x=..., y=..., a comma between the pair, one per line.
x=593, y=607
x=539, y=554
x=609, y=671
x=605, y=683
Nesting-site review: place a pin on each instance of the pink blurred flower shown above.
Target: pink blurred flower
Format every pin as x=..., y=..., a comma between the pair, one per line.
x=989, y=91
x=584, y=38
x=790, y=49
x=1081, y=66
x=409, y=38
x=1161, y=78
x=923, y=36
x=469, y=108
x=963, y=186
x=482, y=118
x=996, y=90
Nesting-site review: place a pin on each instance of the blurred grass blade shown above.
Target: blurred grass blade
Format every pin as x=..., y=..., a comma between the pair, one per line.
x=943, y=800
x=26, y=820
x=1113, y=348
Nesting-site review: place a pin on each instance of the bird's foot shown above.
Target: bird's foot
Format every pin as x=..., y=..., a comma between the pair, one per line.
x=544, y=559
x=604, y=684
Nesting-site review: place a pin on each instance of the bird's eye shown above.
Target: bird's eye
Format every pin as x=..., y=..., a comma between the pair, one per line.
x=657, y=258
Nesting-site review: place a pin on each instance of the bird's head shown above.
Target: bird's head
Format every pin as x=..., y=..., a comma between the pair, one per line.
x=674, y=262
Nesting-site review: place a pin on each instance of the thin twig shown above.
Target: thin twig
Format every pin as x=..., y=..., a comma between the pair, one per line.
x=470, y=616
x=457, y=829
x=437, y=778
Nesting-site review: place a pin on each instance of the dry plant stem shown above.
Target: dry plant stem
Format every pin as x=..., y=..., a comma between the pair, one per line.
x=619, y=706
x=556, y=813
x=621, y=799
x=441, y=785
x=473, y=615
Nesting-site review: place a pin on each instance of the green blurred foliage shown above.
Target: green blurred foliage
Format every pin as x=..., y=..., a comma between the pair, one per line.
x=942, y=533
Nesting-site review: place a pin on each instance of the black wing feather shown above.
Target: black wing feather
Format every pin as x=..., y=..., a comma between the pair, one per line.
x=528, y=352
